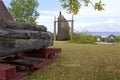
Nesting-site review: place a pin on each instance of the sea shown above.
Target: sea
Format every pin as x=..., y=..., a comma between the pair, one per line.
x=106, y=34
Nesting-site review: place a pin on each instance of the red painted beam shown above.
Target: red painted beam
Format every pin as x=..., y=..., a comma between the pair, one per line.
x=42, y=53
x=8, y=72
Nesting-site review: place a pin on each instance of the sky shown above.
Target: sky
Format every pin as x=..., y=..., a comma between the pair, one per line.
x=87, y=19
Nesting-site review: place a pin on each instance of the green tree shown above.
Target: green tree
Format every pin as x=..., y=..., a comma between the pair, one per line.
x=73, y=6
x=24, y=10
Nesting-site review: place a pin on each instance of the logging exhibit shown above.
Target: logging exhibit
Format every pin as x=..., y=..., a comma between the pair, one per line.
x=24, y=47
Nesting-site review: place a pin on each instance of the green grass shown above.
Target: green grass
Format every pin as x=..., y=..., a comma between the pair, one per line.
x=82, y=62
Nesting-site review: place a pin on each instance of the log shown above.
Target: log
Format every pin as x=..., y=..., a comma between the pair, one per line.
x=46, y=35
x=13, y=46
x=13, y=34
x=21, y=26
x=24, y=34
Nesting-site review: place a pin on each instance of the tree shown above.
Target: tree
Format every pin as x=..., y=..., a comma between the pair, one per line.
x=73, y=6
x=24, y=10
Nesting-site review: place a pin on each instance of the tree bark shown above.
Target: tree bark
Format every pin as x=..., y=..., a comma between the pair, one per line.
x=14, y=46
x=24, y=34
x=21, y=26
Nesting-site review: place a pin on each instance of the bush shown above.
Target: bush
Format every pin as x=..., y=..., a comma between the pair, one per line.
x=104, y=39
x=117, y=38
x=83, y=38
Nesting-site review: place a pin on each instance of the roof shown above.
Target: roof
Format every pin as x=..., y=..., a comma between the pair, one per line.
x=4, y=13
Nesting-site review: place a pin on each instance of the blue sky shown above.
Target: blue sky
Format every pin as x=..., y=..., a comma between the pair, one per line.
x=87, y=19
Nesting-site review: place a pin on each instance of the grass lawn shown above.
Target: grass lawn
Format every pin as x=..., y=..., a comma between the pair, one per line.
x=82, y=62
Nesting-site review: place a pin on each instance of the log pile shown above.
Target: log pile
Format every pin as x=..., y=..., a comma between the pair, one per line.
x=19, y=37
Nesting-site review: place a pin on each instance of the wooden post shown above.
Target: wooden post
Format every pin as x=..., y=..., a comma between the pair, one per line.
x=72, y=27
x=55, y=28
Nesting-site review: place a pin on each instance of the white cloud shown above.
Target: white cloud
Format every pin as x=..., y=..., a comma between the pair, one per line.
x=44, y=19
x=79, y=26
x=48, y=12
x=111, y=21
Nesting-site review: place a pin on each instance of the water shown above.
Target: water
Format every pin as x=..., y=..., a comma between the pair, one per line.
x=104, y=33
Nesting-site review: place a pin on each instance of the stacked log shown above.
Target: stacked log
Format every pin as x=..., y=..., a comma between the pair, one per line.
x=18, y=37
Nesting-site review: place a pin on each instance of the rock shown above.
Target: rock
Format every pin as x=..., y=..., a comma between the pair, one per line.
x=63, y=28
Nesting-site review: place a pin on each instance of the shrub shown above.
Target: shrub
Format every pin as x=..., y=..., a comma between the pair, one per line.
x=104, y=39
x=83, y=38
x=117, y=38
